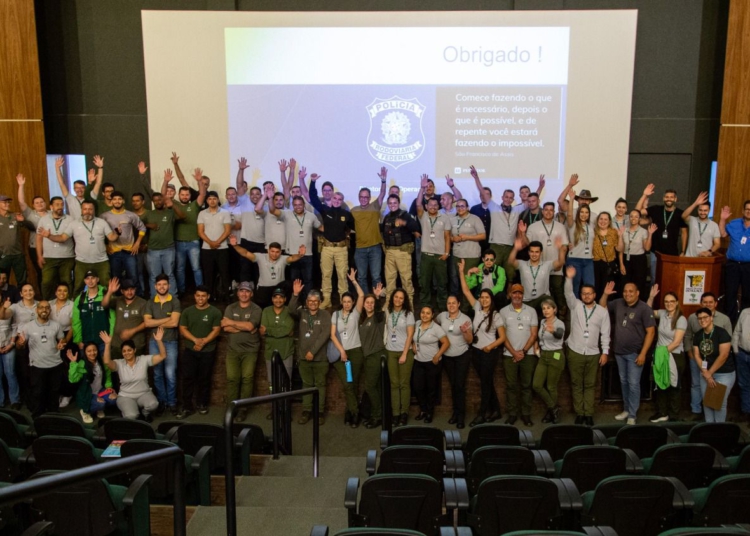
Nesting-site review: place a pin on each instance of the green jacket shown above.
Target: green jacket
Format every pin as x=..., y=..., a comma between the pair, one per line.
x=475, y=280
x=87, y=321
x=77, y=371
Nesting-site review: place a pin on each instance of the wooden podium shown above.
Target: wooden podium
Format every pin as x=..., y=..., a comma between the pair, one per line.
x=688, y=277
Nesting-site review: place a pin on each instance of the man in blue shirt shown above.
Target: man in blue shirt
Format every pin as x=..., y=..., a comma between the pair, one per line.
x=737, y=268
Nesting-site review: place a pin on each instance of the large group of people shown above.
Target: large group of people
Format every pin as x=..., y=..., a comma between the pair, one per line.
x=529, y=286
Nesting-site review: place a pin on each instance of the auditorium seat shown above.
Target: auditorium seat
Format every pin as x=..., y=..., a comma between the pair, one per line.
x=492, y=461
x=723, y=436
x=126, y=429
x=558, y=438
x=726, y=501
x=15, y=435
x=63, y=453
x=10, y=466
x=410, y=459
x=643, y=439
x=486, y=435
x=587, y=531
x=96, y=507
x=421, y=435
x=404, y=501
x=706, y=531
x=197, y=472
x=695, y=465
x=588, y=465
x=322, y=530
x=511, y=503
x=192, y=437
x=637, y=505
x=741, y=462
x=62, y=425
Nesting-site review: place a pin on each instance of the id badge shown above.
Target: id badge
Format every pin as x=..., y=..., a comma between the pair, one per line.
x=699, y=244
x=344, y=335
x=273, y=275
x=587, y=251
x=520, y=327
x=416, y=346
x=277, y=320
x=393, y=336
x=627, y=257
x=301, y=233
x=533, y=293
x=126, y=314
x=604, y=243
x=432, y=235
x=549, y=242
x=586, y=334
x=665, y=234
x=257, y=216
x=704, y=365
x=44, y=339
x=12, y=226
x=55, y=244
x=307, y=335
x=743, y=240
x=625, y=322
x=92, y=240
x=278, y=222
x=556, y=356
x=450, y=328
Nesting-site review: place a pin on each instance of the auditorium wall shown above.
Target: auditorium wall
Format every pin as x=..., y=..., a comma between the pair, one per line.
x=94, y=96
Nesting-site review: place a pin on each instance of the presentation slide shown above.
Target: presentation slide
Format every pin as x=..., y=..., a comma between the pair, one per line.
x=355, y=99
x=517, y=94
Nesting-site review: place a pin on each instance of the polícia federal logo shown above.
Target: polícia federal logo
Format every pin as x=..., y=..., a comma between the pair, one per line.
x=395, y=137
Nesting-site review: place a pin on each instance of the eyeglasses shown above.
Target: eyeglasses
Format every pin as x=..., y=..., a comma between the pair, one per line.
x=703, y=318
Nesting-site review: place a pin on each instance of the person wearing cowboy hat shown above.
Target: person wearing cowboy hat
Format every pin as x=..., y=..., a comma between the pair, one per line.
x=584, y=199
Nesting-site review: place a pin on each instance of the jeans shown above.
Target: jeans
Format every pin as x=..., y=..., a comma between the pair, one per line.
x=736, y=275
x=369, y=260
x=165, y=373
x=8, y=368
x=123, y=261
x=17, y=263
x=185, y=251
x=742, y=360
x=630, y=381
x=584, y=273
x=303, y=269
x=696, y=398
x=718, y=415
x=652, y=258
x=161, y=261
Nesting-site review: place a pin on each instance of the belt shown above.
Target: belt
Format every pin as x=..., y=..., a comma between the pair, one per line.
x=403, y=247
x=328, y=244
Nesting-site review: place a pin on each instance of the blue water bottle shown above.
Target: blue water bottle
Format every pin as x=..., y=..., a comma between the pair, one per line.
x=349, y=378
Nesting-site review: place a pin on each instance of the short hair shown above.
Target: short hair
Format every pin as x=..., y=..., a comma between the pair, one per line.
x=621, y=200
x=138, y=194
x=708, y=295
x=549, y=204
x=62, y=284
x=274, y=245
x=365, y=190
x=326, y=183
x=706, y=204
x=56, y=198
x=670, y=191
x=394, y=196
x=79, y=182
x=457, y=201
x=201, y=288
x=532, y=194
x=431, y=181
x=269, y=182
x=89, y=202
x=588, y=285
x=524, y=186
x=704, y=311
x=230, y=188
x=549, y=302
x=298, y=198
x=488, y=190
x=314, y=294
x=129, y=343
x=536, y=244
x=117, y=193
x=107, y=185
x=450, y=194
x=185, y=189
x=278, y=194
x=509, y=191
x=37, y=197
x=162, y=277
x=489, y=252
x=256, y=189
x=433, y=200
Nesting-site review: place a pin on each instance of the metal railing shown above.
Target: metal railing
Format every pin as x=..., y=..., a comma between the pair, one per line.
x=281, y=411
x=48, y=484
x=234, y=405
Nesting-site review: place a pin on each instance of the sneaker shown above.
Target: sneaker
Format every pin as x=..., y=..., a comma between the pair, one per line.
x=86, y=417
x=304, y=418
x=184, y=414
x=100, y=414
x=631, y=421
x=621, y=416
x=203, y=410
x=64, y=401
x=658, y=417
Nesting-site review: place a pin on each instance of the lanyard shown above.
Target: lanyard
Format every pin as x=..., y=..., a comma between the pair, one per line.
x=630, y=239
x=419, y=332
x=549, y=233
x=709, y=335
x=531, y=269
x=533, y=219
x=432, y=222
x=310, y=326
x=394, y=323
x=700, y=232
x=667, y=220
x=618, y=224
x=91, y=231
x=57, y=223
x=459, y=223
x=301, y=223
x=345, y=318
x=588, y=316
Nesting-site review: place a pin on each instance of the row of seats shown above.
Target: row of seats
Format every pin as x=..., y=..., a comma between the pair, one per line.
x=726, y=530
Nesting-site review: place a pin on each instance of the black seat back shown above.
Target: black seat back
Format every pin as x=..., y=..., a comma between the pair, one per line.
x=9, y=432
x=17, y=416
x=58, y=425
x=194, y=436
x=9, y=470
x=632, y=505
x=643, y=439
x=127, y=429
x=723, y=436
x=486, y=435
x=692, y=464
x=499, y=460
x=507, y=503
x=83, y=509
x=727, y=503
x=417, y=435
x=743, y=464
x=257, y=437
x=166, y=426
x=62, y=453
x=412, y=459
x=401, y=501
x=558, y=438
x=161, y=485
x=588, y=465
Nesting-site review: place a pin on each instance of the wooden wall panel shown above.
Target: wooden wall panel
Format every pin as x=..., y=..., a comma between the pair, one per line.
x=733, y=174
x=20, y=89
x=735, y=109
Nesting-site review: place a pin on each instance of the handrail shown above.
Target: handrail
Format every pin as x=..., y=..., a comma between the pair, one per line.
x=47, y=484
x=385, y=394
x=231, y=499
x=282, y=430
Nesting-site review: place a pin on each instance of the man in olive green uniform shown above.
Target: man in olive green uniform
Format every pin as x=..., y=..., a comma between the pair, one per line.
x=277, y=328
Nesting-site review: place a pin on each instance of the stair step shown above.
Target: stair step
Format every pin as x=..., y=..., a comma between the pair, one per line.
x=330, y=466
x=273, y=491
x=289, y=521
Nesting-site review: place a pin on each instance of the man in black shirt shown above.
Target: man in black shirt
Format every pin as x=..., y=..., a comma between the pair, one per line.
x=711, y=351
x=670, y=227
x=337, y=223
x=482, y=212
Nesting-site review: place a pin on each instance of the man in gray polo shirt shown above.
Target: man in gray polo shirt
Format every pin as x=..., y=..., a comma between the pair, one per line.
x=214, y=226
x=436, y=248
x=535, y=273
x=519, y=360
x=467, y=231
x=299, y=232
x=634, y=330
x=11, y=254
x=46, y=340
x=56, y=258
x=589, y=328
x=275, y=218
x=252, y=236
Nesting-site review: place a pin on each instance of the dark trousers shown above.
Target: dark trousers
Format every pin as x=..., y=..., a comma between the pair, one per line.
x=669, y=400
x=303, y=269
x=35, y=266
x=602, y=276
x=484, y=364
x=248, y=269
x=235, y=266
x=736, y=275
x=196, y=377
x=213, y=262
x=457, y=368
x=425, y=378
x=636, y=271
x=45, y=389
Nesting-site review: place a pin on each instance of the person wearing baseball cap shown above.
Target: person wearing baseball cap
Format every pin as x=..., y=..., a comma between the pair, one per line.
x=519, y=360
x=129, y=309
x=277, y=330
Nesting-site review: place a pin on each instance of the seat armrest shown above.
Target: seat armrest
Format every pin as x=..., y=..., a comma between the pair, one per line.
x=455, y=464
x=136, y=506
x=40, y=528
x=372, y=459
x=456, y=493
x=599, y=437
x=27, y=458
x=452, y=439
x=545, y=466
x=352, y=489
x=204, y=455
x=319, y=530
x=672, y=437
x=242, y=449
x=135, y=489
x=720, y=463
x=100, y=440
x=567, y=493
x=202, y=463
x=171, y=434
x=633, y=463
x=599, y=531
x=463, y=531
x=526, y=438
x=384, y=437
x=683, y=499
x=447, y=531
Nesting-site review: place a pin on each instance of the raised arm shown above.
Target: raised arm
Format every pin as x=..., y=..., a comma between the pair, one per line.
x=240, y=250
x=21, y=180
x=145, y=180
x=59, y=163
x=453, y=187
x=477, y=182
x=240, y=183
x=517, y=246
x=700, y=200
x=352, y=276
x=726, y=213
x=162, y=355
x=650, y=301
x=540, y=186
x=180, y=175
x=202, y=186
x=99, y=163
x=561, y=251
x=643, y=201
x=609, y=289
x=303, y=185
x=106, y=357
x=420, y=195
x=259, y=206
x=383, y=177
x=464, y=286
x=571, y=184
x=314, y=199
x=647, y=242
x=570, y=220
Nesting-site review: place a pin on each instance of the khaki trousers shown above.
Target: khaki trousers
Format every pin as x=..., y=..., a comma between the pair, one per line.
x=331, y=257
x=398, y=263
